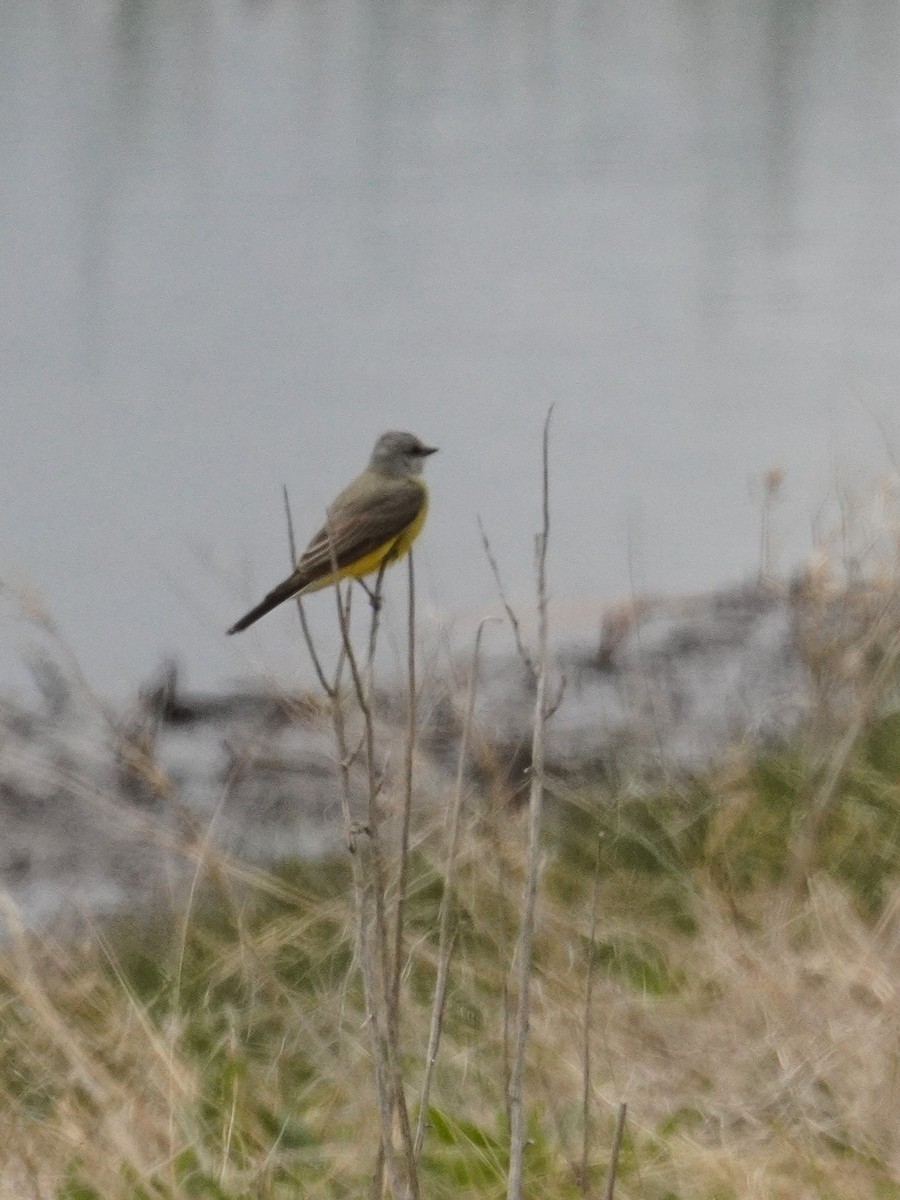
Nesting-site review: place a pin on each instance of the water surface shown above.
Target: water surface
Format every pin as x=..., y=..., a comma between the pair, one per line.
x=241, y=239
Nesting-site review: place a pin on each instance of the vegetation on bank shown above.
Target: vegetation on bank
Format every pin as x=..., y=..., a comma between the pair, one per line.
x=746, y=1012
x=718, y=953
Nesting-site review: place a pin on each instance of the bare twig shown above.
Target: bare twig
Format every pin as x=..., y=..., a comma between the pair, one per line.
x=510, y=611
x=407, y=786
x=368, y=959
x=557, y=700
x=373, y=958
x=379, y=987
x=307, y=636
x=506, y=1014
x=772, y=482
x=609, y=1194
x=650, y=697
x=375, y=602
x=586, y=1069
x=376, y=1188
x=535, y=815
x=445, y=936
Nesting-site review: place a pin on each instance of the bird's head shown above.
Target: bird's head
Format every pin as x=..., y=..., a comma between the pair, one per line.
x=400, y=454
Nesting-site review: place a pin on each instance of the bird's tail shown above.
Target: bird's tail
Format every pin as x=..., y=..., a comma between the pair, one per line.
x=287, y=588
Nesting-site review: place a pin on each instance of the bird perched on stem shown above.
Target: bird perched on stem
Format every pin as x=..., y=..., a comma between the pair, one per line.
x=372, y=523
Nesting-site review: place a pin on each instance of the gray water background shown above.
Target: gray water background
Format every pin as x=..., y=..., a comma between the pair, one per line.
x=239, y=240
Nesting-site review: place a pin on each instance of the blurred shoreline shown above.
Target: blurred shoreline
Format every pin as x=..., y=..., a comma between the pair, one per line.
x=104, y=811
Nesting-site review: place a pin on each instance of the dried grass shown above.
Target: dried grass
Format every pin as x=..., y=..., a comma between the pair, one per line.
x=757, y=1050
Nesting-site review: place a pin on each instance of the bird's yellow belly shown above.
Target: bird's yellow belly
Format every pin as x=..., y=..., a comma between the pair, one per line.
x=392, y=550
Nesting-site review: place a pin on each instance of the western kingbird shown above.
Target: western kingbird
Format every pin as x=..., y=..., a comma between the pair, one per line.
x=372, y=523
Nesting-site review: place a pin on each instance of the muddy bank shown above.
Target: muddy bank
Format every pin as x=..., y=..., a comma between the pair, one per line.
x=101, y=808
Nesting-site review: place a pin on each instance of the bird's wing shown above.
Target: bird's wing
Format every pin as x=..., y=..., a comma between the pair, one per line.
x=359, y=527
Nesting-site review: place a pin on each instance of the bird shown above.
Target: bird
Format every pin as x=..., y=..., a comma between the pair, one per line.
x=372, y=523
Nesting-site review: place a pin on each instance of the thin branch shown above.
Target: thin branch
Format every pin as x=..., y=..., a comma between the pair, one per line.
x=510, y=612
x=344, y=622
x=407, y=788
x=614, y=1156
x=376, y=1188
x=586, y=1069
x=506, y=1001
x=380, y=1049
x=342, y=653
x=375, y=600
x=650, y=697
x=535, y=816
x=445, y=936
x=307, y=636
x=557, y=700
x=381, y=980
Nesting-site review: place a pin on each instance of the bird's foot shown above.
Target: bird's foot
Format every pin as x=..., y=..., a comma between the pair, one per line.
x=375, y=598
x=357, y=829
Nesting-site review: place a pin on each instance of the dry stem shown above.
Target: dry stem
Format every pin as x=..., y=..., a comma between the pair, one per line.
x=445, y=935
x=614, y=1156
x=407, y=787
x=510, y=611
x=307, y=636
x=380, y=993
x=586, y=1040
x=373, y=953
x=535, y=814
